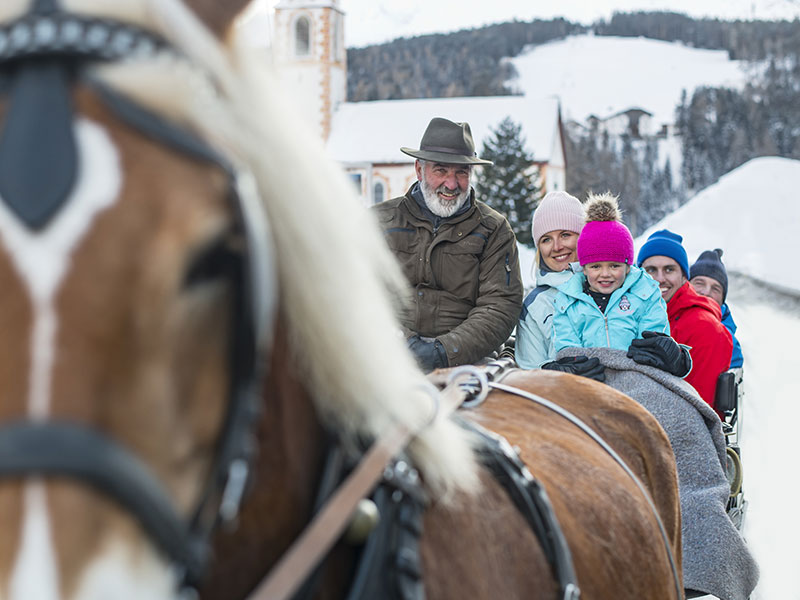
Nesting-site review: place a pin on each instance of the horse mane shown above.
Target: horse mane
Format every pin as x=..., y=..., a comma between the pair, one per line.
x=337, y=277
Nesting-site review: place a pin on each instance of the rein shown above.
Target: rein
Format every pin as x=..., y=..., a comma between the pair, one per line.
x=463, y=387
x=308, y=550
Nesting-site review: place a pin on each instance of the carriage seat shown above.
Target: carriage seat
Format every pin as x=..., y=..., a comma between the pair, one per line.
x=728, y=396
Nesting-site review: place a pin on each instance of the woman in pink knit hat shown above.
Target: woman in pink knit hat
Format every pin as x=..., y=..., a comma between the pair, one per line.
x=612, y=302
x=556, y=224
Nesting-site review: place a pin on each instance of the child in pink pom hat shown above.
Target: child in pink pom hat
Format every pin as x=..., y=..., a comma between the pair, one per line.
x=612, y=302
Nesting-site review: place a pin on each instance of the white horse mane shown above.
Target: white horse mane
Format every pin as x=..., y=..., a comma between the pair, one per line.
x=335, y=270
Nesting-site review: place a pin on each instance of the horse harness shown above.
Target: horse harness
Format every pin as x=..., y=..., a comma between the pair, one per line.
x=42, y=55
x=389, y=563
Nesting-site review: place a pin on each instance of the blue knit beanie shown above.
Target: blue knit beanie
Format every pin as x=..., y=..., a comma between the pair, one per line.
x=709, y=264
x=665, y=243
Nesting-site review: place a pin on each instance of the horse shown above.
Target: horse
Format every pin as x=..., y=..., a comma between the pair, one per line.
x=196, y=311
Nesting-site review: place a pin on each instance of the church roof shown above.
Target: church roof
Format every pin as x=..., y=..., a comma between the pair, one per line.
x=372, y=132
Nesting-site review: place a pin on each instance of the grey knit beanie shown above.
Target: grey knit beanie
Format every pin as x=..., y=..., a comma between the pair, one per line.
x=557, y=211
x=709, y=264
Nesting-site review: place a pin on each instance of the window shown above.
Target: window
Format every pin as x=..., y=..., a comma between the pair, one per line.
x=355, y=178
x=302, y=37
x=377, y=192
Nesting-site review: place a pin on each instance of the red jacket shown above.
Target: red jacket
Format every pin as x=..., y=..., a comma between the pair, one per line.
x=695, y=320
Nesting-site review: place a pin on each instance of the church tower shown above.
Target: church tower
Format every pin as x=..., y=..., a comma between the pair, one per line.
x=308, y=45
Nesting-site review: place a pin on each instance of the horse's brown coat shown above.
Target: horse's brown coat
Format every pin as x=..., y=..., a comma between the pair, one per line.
x=615, y=542
x=482, y=547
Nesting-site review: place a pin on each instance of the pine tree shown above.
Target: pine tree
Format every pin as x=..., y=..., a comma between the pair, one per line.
x=510, y=186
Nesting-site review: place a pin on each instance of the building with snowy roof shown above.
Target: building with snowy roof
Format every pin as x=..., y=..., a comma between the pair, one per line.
x=365, y=137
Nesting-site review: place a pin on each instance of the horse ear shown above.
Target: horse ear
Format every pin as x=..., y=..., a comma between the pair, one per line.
x=217, y=15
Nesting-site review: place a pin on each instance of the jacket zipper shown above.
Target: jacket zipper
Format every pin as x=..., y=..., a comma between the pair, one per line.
x=508, y=271
x=605, y=320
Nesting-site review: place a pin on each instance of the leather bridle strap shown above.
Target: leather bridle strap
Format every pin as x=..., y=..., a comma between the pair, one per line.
x=70, y=450
x=328, y=525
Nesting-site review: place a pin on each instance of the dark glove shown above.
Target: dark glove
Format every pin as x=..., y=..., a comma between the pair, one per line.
x=430, y=354
x=662, y=352
x=578, y=365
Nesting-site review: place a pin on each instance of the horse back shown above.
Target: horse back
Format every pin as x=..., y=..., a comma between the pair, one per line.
x=616, y=544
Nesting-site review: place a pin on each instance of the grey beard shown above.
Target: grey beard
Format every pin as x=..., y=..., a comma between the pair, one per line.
x=435, y=203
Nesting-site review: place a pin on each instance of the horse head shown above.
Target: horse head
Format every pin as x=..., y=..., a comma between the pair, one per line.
x=159, y=203
x=132, y=310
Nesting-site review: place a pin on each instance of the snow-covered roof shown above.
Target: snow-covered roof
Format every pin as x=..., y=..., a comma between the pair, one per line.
x=374, y=131
x=752, y=213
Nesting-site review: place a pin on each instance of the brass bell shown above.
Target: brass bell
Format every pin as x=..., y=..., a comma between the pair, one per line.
x=365, y=518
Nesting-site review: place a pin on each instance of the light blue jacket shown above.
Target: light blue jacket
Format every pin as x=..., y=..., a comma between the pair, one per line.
x=534, y=344
x=635, y=307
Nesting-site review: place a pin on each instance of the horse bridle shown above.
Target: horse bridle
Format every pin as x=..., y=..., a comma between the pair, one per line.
x=41, y=55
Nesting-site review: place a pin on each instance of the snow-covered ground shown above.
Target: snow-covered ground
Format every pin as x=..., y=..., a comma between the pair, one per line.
x=768, y=438
x=602, y=75
x=769, y=443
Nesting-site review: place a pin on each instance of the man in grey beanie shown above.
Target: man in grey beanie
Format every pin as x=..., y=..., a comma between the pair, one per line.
x=709, y=277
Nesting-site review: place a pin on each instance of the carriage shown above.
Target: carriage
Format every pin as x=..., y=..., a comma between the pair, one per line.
x=193, y=396
x=729, y=399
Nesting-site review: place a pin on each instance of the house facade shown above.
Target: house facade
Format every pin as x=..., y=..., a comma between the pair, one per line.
x=365, y=137
x=635, y=122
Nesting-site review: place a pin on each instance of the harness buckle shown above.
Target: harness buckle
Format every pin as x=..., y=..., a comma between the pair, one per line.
x=235, y=485
x=476, y=387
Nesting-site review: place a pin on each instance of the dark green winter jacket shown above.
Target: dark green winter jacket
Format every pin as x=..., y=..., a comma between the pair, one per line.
x=464, y=274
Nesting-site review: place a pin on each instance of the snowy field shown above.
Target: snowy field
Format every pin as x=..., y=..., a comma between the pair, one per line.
x=769, y=322
x=601, y=75
x=769, y=444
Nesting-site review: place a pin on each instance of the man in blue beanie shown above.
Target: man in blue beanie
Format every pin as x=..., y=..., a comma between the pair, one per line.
x=709, y=277
x=694, y=320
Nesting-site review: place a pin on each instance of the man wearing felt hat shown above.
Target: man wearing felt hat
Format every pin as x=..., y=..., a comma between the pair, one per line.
x=459, y=255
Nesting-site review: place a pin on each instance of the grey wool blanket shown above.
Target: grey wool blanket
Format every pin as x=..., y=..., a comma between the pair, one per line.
x=715, y=558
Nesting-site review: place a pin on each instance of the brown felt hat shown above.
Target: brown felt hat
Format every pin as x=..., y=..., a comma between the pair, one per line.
x=447, y=142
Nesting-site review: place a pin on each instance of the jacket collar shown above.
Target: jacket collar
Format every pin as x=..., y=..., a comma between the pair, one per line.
x=685, y=297
x=420, y=209
x=574, y=287
x=546, y=276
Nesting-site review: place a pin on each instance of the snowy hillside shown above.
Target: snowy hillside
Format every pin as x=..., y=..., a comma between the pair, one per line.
x=752, y=213
x=606, y=75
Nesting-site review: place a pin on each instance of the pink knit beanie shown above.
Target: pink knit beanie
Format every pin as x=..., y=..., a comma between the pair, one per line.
x=604, y=237
x=557, y=211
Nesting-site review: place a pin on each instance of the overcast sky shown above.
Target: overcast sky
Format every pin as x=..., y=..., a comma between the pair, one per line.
x=375, y=21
